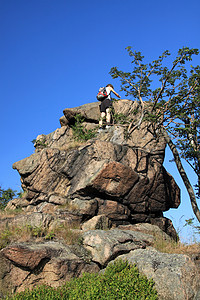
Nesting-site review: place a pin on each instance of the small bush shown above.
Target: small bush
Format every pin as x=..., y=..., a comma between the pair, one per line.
x=80, y=132
x=120, y=281
x=42, y=292
x=36, y=231
x=120, y=118
x=41, y=143
x=5, y=238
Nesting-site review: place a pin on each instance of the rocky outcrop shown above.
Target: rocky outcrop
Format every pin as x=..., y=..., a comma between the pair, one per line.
x=114, y=187
x=122, y=178
x=25, y=265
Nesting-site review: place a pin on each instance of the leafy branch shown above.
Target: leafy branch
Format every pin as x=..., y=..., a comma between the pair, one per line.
x=169, y=102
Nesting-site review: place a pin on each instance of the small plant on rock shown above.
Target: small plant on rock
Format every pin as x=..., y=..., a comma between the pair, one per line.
x=50, y=236
x=5, y=238
x=36, y=231
x=120, y=118
x=80, y=132
x=40, y=143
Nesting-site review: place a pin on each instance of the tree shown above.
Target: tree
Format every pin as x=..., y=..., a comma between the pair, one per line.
x=6, y=196
x=173, y=99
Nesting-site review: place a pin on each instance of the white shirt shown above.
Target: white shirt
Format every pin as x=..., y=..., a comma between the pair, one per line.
x=108, y=92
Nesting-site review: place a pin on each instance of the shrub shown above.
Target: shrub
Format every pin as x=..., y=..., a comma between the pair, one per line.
x=40, y=293
x=40, y=143
x=5, y=238
x=36, y=231
x=120, y=118
x=80, y=132
x=119, y=281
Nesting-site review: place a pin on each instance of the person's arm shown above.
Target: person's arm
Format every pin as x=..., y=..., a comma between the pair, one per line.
x=115, y=93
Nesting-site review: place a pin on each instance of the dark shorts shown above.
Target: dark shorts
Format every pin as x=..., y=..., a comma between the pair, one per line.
x=105, y=104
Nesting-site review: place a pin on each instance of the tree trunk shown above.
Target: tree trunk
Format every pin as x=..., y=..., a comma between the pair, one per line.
x=183, y=174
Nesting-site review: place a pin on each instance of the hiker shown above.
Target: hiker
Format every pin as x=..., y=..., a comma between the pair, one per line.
x=106, y=106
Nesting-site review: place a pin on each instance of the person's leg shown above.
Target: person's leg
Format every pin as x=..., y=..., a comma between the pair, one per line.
x=103, y=114
x=108, y=115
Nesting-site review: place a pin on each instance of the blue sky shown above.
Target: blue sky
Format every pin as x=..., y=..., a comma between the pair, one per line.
x=55, y=54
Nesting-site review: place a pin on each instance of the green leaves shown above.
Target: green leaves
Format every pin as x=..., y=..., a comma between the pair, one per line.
x=6, y=196
x=119, y=281
x=80, y=132
x=172, y=90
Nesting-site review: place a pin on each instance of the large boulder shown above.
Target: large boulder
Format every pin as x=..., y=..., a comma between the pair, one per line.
x=109, y=174
x=175, y=275
x=107, y=245
x=51, y=263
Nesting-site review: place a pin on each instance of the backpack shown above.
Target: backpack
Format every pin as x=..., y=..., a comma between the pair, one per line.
x=102, y=94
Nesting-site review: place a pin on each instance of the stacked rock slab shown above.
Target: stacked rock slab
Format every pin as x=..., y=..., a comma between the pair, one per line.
x=123, y=179
x=117, y=190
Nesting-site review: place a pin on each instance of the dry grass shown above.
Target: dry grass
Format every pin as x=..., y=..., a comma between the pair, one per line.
x=171, y=246
x=69, y=207
x=69, y=233
x=163, y=243
x=10, y=213
x=11, y=233
x=72, y=145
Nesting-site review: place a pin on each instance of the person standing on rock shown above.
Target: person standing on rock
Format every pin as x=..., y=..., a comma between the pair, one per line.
x=106, y=106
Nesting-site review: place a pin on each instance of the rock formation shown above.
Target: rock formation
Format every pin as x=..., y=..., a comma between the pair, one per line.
x=110, y=175
x=107, y=184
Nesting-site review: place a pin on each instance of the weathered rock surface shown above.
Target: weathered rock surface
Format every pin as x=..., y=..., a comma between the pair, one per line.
x=26, y=265
x=106, y=245
x=123, y=179
x=175, y=275
x=97, y=222
x=116, y=189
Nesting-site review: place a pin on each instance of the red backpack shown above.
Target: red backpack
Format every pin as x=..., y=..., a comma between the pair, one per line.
x=102, y=94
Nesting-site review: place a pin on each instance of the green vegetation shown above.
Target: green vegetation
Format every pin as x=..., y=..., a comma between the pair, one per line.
x=119, y=281
x=39, y=143
x=120, y=118
x=10, y=233
x=6, y=196
x=80, y=132
x=168, y=99
x=5, y=238
x=195, y=230
x=69, y=233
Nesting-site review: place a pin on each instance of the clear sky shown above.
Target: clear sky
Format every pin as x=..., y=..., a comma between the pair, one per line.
x=55, y=54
